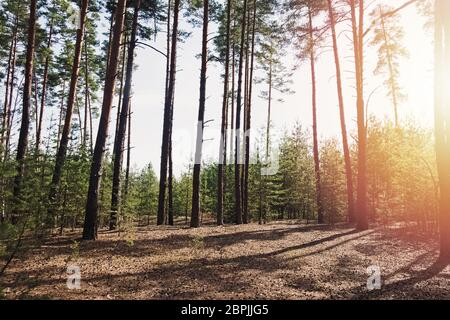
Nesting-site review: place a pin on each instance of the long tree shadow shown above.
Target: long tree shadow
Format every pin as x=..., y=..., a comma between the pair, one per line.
x=229, y=239
x=203, y=270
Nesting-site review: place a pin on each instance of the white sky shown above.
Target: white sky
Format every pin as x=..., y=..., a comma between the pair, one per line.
x=417, y=81
x=149, y=78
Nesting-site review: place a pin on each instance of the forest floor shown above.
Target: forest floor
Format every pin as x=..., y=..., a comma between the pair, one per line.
x=279, y=260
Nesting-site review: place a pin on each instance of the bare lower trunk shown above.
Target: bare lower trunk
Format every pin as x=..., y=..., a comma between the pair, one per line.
x=237, y=157
x=122, y=128
x=224, y=125
x=195, y=221
x=248, y=118
x=9, y=83
x=320, y=217
x=24, y=128
x=90, y=222
x=167, y=117
x=63, y=144
x=442, y=120
x=44, y=89
x=361, y=198
x=347, y=159
x=127, y=169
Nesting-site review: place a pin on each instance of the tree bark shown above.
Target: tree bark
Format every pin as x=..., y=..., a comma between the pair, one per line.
x=122, y=128
x=224, y=125
x=347, y=159
x=237, y=155
x=25, y=124
x=127, y=169
x=168, y=116
x=63, y=144
x=248, y=118
x=170, y=178
x=122, y=80
x=320, y=217
x=442, y=120
x=90, y=221
x=195, y=221
x=10, y=74
x=391, y=68
x=269, y=111
x=361, y=198
x=44, y=88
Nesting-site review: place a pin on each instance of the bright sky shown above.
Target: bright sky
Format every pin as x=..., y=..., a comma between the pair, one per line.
x=416, y=79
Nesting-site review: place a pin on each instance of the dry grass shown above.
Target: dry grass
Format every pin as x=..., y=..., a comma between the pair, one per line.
x=276, y=261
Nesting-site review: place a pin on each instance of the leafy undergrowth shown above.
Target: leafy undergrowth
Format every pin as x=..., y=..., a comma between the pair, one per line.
x=283, y=260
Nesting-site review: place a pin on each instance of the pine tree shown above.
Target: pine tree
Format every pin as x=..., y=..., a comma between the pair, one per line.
x=90, y=223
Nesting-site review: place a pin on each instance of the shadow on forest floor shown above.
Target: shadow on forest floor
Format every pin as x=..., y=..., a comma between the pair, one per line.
x=272, y=261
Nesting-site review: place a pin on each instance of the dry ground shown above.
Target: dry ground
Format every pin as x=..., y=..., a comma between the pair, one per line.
x=276, y=261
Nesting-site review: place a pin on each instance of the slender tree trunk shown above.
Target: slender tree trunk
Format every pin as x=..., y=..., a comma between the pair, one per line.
x=442, y=120
x=90, y=222
x=320, y=217
x=44, y=88
x=122, y=81
x=127, y=169
x=6, y=114
x=170, y=186
x=86, y=94
x=347, y=159
x=391, y=68
x=10, y=74
x=233, y=76
x=122, y=128
x=35, y=90
x=195, y=222
x=91, y=134
x=168, y=116
x=361, y=198
x=24, y=128
x=63, y=144
x=111, y=30
x=224, y=125
x=237, y=155
x=61, y=114
x=269, y=111
x=249, y=113
x=170, y=178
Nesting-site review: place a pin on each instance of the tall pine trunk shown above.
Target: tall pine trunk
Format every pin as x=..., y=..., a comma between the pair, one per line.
x=90, y=221
x=391, y=67
x=442, y=120
x=26, y=110
x=269, y=110
x=361, y=194
x=168, y=117
x=224, y=124
x=122, y=128
x=9, y=83
x=170, y=208
x=127, y=169
x=122, y=81
x=44, y=88
x=63, y=144
x=320, y=217
x=237, y=153
x=195, y=221
x=86, y=96
x=248, y=118
x=347, y=159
